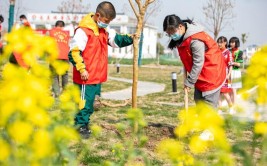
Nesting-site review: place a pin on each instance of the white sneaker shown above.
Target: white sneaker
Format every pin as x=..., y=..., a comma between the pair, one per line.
x=232, y=111
x=206, y=135
x=220, y=112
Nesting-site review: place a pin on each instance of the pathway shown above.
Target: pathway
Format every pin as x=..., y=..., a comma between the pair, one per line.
x=143, y=89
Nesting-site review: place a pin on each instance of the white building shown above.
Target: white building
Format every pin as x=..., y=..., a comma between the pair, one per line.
x=250, y=50
x=121, y=24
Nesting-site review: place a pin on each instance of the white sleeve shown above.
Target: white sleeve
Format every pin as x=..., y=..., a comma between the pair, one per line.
x=79, y=40
x=111, y=37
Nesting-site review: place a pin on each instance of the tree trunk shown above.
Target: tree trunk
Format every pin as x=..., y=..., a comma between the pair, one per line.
x=140, y=23
x=135, y=63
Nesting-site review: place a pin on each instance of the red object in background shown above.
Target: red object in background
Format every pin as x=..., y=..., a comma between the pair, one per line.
x=42, y=31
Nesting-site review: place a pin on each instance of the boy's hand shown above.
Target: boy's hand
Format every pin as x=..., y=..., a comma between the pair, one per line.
x=135, y=35
x=84, y=75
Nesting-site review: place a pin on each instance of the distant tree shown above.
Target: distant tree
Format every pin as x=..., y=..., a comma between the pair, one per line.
x=219, y=14
x=19, y=8
x=160, y=48
x=244, y=37
x=139, y=8
x=73, y=6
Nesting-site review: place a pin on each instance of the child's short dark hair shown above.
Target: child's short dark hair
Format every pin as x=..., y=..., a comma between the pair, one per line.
x=60, y=23
x=1, y=18
x=22, y=16
x=106, y=9
x=222, y=39
x=234, y=40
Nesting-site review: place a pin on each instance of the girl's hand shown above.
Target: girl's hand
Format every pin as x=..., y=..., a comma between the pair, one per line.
x=187, y=88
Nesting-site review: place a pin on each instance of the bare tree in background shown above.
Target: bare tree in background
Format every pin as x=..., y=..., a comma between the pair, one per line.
x=139, y=8
x=244, y=37
x=73, y=6
x=218, y=13
x=19, y=9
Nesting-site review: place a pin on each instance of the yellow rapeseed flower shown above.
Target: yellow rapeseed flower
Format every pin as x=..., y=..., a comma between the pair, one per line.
x=170, y=148
x=260, y=128
x=42, y=144
x=39, y=118
x=20, y=131
x=258, y=63
x=61, y=67
x=96, y=130
x=198, y=145
x=66, y=133
x=6, y=110
x=4, y=150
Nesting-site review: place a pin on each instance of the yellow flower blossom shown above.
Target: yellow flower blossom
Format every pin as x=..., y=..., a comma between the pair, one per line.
x=4, y=150
x=96, y=130
x=39, y=118
x=6, y=110
x=260, y=128
x=61, y=67
x=65, y=133
x=20, y=131
x=26, y=99
x=258, y=63
x=198, y=145
x=42, y=144
x=170, y=148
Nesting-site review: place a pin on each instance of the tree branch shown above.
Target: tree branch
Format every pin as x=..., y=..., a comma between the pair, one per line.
x=150, y=1
x=135, y=12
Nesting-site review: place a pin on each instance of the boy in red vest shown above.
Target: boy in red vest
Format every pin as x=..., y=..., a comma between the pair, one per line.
x=24, y=21
x=62, y=38
x=201, y=57
x=15, y=57
x=89, y=56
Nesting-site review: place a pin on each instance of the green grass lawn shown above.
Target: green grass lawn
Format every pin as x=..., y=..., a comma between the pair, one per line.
x=161, y=119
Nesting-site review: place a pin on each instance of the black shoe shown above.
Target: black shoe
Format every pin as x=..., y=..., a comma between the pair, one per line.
x=84, y=132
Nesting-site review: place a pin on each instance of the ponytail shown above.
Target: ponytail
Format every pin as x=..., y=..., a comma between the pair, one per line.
x=172, y=22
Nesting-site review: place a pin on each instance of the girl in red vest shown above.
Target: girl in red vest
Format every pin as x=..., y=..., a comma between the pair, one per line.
x=228, y=58
x=201, y=57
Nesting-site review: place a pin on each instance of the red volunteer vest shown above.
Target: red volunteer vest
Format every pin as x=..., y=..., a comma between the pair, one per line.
x=95, y=56
x=20, y=60
x=213, y=73
x=62, y=39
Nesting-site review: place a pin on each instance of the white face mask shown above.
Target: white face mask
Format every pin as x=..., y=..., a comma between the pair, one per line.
x=22, y=21
x=176, y=36
x=101, y=24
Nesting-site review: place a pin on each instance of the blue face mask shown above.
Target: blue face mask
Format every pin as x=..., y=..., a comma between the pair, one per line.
x=176, y=36
x=101, y=24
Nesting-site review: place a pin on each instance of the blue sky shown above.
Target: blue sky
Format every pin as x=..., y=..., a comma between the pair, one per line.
x=250, y=14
